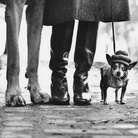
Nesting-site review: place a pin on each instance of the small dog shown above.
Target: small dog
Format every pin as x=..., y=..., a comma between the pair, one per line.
x=115, y=75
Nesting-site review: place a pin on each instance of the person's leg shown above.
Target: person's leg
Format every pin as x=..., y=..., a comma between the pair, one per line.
x=34, y=17
x=84, y=55
x=13, y=15
x=60, y=47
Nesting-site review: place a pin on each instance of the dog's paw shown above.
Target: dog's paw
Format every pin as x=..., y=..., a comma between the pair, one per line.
x=117, y=101
x=15, y=101
x=101, y=101
x=122, y=102
x=37, y=97
x=105, y=103
x=40, y=98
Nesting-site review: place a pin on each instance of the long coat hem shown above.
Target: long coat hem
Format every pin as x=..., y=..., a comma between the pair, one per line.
x=60, y=11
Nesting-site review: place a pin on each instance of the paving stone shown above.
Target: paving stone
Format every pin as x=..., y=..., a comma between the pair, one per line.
x=13, y=128
x=82, y=131
x=18, y=109
x=125, y=126
x=113, y=136
x=61, y=121
x=135, y=131
x=14, y=118
x=15, y=135
x=17, y=124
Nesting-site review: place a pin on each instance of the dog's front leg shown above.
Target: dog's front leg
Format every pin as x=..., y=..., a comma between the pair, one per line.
x=34, y=14
x=104, y=93
x=13, y=15
x=116, y=96
x=105, y=96
x=104, y=87
x=122, y=94
x=102, y=90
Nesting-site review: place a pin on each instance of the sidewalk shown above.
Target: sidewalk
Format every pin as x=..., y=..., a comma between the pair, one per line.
x=50, y=121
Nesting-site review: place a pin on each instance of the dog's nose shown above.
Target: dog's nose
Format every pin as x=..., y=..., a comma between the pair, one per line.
x=118, y=73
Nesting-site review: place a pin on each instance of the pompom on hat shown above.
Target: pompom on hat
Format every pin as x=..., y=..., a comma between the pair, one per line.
x=121, y=57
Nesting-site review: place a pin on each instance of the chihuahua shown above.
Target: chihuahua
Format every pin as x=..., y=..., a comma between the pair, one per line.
x=115, y=75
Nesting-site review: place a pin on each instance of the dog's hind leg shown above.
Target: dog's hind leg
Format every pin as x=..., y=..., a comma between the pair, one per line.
x=34, y=14
x=105, y=96
x=103, y=87
x=102, y=91
x=101, y=84
x=13, y=15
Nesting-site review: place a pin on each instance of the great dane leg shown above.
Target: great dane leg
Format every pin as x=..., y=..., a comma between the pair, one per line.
x=34, y=14
x=14, y=9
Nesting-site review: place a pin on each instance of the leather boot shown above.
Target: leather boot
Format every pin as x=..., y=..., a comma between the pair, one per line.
x=59, y=91
x=81, y=90
x=84, y=55
x=60, y=46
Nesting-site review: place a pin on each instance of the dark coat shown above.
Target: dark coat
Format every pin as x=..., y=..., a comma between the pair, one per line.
x=60, y=11
x=3, y=1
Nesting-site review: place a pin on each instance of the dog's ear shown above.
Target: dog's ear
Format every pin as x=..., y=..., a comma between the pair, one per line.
x=109, y=59
x=131, y=65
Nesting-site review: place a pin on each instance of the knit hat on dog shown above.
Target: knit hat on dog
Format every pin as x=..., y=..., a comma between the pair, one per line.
x=122, y=57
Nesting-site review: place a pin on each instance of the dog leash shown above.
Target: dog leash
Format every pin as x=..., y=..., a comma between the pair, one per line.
x=113, y=30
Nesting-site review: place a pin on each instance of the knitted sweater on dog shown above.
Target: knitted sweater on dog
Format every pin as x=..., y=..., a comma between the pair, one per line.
x=111, y=80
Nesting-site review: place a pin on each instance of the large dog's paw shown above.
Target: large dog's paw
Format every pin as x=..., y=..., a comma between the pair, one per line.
x=15, y=100
x=37, y=97
x=40, y=98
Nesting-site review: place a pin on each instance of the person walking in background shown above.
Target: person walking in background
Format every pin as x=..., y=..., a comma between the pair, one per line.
x=61, y=15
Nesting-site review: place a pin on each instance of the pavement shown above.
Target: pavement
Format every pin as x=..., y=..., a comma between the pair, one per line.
x=70, y=121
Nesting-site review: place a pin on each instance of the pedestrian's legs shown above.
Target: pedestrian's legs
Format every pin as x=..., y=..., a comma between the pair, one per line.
x=60, y=47
x=84, y=55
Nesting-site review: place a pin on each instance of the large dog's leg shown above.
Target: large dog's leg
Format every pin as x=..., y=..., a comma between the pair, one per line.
x=34, y=14
x=14, y=9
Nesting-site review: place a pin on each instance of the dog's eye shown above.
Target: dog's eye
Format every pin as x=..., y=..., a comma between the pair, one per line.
x=123, y=69
x=114, y=67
